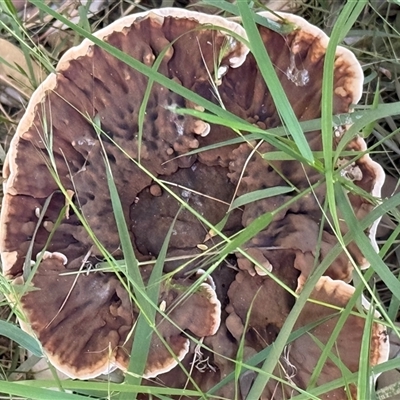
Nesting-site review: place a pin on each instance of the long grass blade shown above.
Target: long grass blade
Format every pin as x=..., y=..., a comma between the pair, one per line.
x=126, y=244
x=139, y=66
x=283, y=27
x=36, y=393
x=146, y=323
x=258, y=195
x=364, y=243
x=25, y=340
x=342, y=26
x=364, y=373
x=267, y=70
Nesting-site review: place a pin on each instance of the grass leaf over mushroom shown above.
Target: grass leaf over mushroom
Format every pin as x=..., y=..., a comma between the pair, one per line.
x=16, y=334
x=268, y=71
x=146, y=323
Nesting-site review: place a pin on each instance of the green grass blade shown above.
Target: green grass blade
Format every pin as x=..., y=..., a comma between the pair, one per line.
x=339, y=31
x=337, y=383
x=35, y=393
x=369, y=116
x=264, y=354
x=139, y=66
x=258, y=195
x=364, y=243
x=146, y=323
x=326, y=352
x=283, y=28
x=370, y=127
x=103, y=388
x=364, y=373
x=25, y=340
x=138, y=362
x=354, y=233
x=129, y=255
x=272, y=136
x=271, y=79
x=10, y=6
x=83, y=18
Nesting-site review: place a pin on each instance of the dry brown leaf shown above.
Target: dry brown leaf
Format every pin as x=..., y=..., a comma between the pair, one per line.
x=12, y=60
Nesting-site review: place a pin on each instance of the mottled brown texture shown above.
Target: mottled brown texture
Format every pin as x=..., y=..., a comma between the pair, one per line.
x=113, y=92
x=206, y=189
x=80, y=321
x=250, y=300
x=91, y=86
x=83, y=321
x=254, y=294
x=84, y=331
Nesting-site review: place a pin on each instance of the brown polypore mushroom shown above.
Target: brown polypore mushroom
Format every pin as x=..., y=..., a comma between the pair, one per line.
x=301, y=356
x=292, y=244
x=56, y=158
x=298, y=58
x=83, y=321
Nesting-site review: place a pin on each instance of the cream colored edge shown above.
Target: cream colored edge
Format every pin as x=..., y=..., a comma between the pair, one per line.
x=173, y=363
x=119, y=25
x=340, y=288
x=380, y=174
x=10, y=169
x=158, y=14
x=324, y=38
x=212, y=296
x=357, y=91
x=105, y=368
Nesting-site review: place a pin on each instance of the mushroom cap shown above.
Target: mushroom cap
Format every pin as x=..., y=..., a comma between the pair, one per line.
x=57, y=126
x=209, y=362
x=199, y=312
x=298, y=58
x=82, y=89
x=57, y=131
x=301, y=356
x=83, y=321
x=305, y=353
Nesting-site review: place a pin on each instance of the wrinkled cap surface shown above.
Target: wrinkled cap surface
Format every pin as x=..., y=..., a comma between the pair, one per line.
x=83, y=321
x=92, y=91
x=90, y=84
x=301, y=356
x=58, y=132
x=298, y=58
